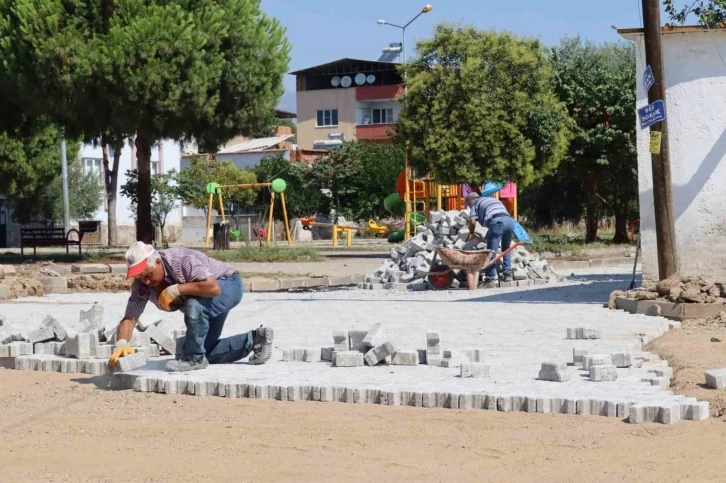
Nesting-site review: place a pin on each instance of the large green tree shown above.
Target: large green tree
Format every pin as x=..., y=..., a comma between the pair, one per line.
x=480, y=106
x=301, y=199
x=208, y=70
x=708, y=12
x=193, y=180
x=597, y=84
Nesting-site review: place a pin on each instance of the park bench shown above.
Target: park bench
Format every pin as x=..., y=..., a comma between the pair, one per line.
x=47, y=237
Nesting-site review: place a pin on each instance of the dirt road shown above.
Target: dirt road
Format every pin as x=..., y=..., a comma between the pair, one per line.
x=59, y=427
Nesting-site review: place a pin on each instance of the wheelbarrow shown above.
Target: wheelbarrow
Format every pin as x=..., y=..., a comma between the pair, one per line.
x=441, y=275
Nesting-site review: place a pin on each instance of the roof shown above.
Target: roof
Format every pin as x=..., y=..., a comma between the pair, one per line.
x=672, y=29
x=340, y=61
x=285, y=114
x=255, y=144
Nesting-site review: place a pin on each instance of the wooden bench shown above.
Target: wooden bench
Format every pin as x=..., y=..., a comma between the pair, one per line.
x=48, y=237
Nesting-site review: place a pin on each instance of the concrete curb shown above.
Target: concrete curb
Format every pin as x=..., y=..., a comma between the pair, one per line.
x=596, y=262
x=283, y=284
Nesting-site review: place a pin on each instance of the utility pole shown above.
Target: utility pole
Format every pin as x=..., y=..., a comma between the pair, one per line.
x=665, y=229
x=64, y=181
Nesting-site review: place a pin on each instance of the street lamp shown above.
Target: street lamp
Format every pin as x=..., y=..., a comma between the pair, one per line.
x=424, y=10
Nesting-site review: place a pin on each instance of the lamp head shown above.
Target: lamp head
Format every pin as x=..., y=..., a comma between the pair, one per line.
x=427, y=9
x=382, y=22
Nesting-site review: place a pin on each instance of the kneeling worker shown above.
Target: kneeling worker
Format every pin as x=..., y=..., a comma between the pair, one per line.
x=205, y=290
x=491, y=213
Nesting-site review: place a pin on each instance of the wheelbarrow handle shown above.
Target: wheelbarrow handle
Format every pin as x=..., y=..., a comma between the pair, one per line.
x=503, y=254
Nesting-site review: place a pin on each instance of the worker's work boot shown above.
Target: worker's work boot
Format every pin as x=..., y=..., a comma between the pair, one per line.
x=186, y=364
x=506, y=277
x=261, y=345
x=490, y=284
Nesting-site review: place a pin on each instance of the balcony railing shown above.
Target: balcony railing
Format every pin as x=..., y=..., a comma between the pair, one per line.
x=374, y=131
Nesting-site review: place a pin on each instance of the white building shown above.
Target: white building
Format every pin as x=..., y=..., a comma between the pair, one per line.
x=164, y=157
x=695, y=77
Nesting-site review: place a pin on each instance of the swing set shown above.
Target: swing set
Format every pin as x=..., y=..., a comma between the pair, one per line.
x=277, y=186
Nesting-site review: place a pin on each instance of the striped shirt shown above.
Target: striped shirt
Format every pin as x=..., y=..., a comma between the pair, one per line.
x=181, y=265
x=483, y=209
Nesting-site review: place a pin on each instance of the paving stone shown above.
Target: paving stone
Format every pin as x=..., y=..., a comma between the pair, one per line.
x=554, y=371
x=716, y=378
x=405, y=358
x=379, y=353
x=475, y=355
x=312, y=355
x=79, y=346
x=148, y=319
x=622, y=359
x=61, y=329
x=663, y=372
x=421, y=356
x=340, y=341
x=564, y=405
x=375, y=337
x=91, y=320
x=433, y=348
x=662, y=382
x=130, y=362
x=326, y=353
x=161, y=333
x=355, y=338
x=596, y=360
x=69, y=366
x=660, y=412
x=578, y=356
x=90, y=268
x=104, y=351
x=475, y=369
x=583, y=333
x=348, y=359
x=603, y=373
x=697, y=411
x=41, y=334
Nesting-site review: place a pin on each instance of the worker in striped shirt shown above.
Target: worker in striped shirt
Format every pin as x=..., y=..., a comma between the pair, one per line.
x=205, y=290
x=491, y=213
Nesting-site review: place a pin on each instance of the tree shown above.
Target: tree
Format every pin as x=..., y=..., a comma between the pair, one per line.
x=159, y=69
x=164, y=195
x=480, y=106
x=708, y=12
x=301, y=198
x=30, y=165
x=356, y=177
x=597, y=84
x=84, y=193
x=194, y=179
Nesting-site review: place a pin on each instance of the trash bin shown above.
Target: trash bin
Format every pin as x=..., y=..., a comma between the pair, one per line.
x=220, y=232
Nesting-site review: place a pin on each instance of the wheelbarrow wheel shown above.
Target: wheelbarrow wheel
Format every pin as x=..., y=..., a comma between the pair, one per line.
x=440, y=277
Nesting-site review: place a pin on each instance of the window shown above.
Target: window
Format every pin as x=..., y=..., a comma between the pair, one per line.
x=154, y=167
x=92, y=165
x=327, y=117
x=382, y=116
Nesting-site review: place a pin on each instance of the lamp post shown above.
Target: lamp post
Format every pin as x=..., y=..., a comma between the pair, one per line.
x=424, y=10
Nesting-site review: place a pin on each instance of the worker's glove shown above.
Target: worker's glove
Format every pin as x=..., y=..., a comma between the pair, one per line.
x=168, y=296
x=122, y=350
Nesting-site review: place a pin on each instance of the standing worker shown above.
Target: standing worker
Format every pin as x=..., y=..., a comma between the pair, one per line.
x=205, y=290
x=491, y=213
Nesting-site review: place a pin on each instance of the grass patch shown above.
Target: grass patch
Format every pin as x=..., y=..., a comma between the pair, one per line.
x=571, y=242
x=264, y=253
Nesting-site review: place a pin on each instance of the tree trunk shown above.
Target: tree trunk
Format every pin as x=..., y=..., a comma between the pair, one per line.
x=110, y=182
x=620, y=209
x=593, y=213
x=144, y=226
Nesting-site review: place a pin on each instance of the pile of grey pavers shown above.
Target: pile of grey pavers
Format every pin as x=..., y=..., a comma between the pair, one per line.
x=357, y=348
x=411, y=262
x=84, y=346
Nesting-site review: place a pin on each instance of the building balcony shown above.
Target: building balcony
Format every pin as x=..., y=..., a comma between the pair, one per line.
x=374, y=132
x=373, y=93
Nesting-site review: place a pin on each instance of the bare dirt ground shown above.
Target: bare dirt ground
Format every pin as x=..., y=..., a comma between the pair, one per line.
x=698, y=347
x=61, y=427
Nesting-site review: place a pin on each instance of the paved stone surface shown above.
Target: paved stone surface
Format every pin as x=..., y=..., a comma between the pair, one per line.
x=517, y=330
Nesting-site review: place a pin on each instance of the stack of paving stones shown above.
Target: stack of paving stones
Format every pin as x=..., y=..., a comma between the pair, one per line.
x=81, y=347
x=410, y=263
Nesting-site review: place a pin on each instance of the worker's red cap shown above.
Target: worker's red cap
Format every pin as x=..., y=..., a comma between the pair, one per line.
x=137, y=257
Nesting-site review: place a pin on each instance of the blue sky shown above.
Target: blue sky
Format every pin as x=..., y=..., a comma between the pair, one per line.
x=324, y=30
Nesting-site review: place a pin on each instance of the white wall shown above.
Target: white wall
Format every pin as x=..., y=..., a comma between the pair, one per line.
x=696, y=109
x=168, y=153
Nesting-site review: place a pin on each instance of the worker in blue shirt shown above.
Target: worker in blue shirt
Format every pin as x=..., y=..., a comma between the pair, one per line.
x=491, y=213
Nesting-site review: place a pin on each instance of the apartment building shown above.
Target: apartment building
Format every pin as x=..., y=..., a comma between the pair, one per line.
x=345, y=100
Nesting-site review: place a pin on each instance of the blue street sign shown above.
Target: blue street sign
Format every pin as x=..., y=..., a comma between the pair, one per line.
x=648, y=79
x=651, y=114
